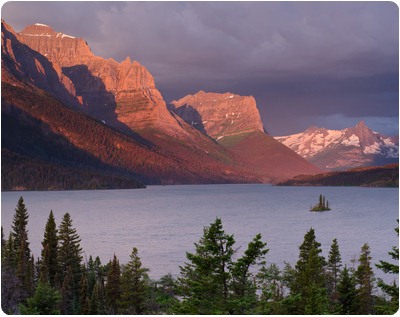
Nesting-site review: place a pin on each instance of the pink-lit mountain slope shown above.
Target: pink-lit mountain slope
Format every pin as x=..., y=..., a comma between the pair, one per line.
x=55, y=143
x=234, y=122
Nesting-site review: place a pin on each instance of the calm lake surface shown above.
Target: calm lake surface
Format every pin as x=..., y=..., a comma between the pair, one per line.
x=164, y=222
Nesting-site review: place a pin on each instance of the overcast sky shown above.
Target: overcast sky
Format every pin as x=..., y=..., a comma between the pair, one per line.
x=327, y=64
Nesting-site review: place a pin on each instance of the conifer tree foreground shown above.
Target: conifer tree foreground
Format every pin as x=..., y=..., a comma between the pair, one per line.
x=22, y=254
x=346, y=289
x=133, y=286
x=334, y=265
x=309, y=279
x=19, y=228
x=215, y=280
x=390, y=289
x=113, y=286
x=49, y=259
x=70, y=261
x=211, y=282
x=365, y=280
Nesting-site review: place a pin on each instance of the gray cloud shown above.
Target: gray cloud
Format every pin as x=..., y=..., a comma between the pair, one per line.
x=299, y=59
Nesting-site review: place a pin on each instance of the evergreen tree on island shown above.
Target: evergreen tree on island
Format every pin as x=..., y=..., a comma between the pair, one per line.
x=322, y=205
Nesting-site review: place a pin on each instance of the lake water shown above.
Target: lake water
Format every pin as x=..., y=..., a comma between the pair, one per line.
x=164, y=222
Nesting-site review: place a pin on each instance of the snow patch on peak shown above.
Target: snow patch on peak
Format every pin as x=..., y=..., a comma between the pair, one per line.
x=372, y=149
x=64, y=35
x=41, y=24
x=352, y=140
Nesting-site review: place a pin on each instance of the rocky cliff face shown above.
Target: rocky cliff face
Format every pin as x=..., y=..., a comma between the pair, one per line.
x=343, y=149
x=219, y=115
x=235, y=123
x=122, y=95
x=21, y=62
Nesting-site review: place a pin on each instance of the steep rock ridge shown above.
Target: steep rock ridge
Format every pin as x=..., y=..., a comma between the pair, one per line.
x=219, y=115
x=342, y=149
x=63, y=49
x=19, y=62
x=122, y=95
x=234, y=122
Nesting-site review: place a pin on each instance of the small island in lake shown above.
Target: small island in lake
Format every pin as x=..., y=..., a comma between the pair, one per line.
x=321, y=205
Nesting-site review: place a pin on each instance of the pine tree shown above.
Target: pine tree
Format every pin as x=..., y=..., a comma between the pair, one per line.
x=45, y=301
x=271, y=285
x=70, y=258
x=164, y=296
x=91, y=274
x=19, y=228
x=68, y=298
x=205, y=278
x=95, y=301
x=9, y=256
x=22, y=253
x=133, y=286
x=244, y=298
x=309, y=280
x=393, y=289
x=334, y=265
x=49, y=258
x=11, y=294
x=346, y=289
x=211, y=282
x=83, y=296
x=113, y=286
x=3, y=243
x=365, y=281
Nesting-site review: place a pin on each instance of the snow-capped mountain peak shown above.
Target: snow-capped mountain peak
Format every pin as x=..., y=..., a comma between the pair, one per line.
x=341, y=149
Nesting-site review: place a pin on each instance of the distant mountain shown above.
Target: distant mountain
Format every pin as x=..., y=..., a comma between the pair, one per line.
x=234, y=122
x=343, y=149
x=373, y=176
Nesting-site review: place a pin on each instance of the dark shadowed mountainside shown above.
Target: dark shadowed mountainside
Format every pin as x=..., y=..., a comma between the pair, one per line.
x=378, y=176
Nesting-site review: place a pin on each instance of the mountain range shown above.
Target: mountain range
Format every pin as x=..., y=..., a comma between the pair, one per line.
x=74, y=120
x=71, y=119
x=353, y=147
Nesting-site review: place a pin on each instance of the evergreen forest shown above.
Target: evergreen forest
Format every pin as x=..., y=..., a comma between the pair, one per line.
x=215, y=279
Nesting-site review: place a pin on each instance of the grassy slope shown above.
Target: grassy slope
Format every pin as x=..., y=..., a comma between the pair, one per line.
x=267, y=157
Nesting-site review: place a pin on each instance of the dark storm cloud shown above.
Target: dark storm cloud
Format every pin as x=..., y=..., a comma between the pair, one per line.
x=301, y=60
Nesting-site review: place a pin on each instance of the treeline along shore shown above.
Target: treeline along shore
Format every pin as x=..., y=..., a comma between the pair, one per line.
x=215, y=279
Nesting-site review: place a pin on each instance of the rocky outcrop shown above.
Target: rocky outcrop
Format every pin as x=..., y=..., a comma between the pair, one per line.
x=234, y=122
x=122, y=95
x=19, y=61
x=342, y=149
x=219, y=115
